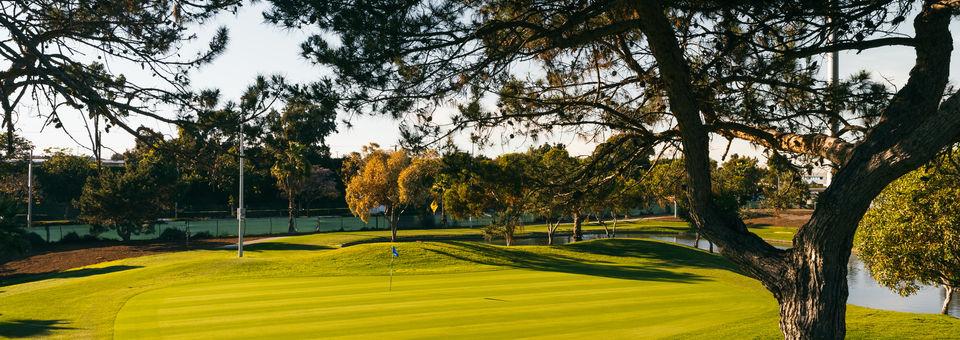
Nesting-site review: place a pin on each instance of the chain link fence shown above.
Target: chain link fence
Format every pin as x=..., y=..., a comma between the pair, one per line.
x=259, y=226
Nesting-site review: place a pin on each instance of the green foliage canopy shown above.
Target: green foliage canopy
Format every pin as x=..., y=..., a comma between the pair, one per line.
x=911, y=235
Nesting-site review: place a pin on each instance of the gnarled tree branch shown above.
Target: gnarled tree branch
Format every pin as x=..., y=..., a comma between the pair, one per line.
x=834, y=149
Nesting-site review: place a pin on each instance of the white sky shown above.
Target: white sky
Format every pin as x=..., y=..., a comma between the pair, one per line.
x=258, y=48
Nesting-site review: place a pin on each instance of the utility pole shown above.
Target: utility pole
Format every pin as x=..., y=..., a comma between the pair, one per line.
x=241, y=212
x=834, y=70
x=30, y=194
x=834, y=81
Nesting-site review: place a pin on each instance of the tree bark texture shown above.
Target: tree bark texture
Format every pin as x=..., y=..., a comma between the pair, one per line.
x=550, y=229
x=291, y=211
x=946, y=300
x=392, y=222
x=577, y=227
x=809, y=280
x=614, y=225
x=813, y=295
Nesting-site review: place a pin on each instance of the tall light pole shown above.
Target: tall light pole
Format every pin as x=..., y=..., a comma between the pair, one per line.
x=834, y=81
x=834, y=70
x=241, y=212
x=834, y=61
x=30, y=194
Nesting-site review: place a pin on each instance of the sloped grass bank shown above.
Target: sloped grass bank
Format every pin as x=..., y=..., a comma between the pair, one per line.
x=309, y=287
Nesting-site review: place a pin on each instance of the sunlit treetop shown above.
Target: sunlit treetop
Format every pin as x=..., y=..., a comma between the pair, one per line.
x=586, y=66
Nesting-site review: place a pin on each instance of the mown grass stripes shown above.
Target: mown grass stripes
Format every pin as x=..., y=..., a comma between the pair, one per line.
x=519, y=301
x=305, y=287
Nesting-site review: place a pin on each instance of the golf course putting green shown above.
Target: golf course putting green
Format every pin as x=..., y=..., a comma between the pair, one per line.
x=311, y=287
x=494, y=304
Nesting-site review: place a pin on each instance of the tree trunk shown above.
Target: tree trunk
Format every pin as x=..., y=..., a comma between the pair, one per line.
x=291, y=211
x=124, y=234
x=614, y=225
x=392, y=223
x=813, y=296
x=606, y=230
x=577, y=227
x=696, y=242
x=550, y=230
x=508, y=235
x=809, y=280
x=946, y=301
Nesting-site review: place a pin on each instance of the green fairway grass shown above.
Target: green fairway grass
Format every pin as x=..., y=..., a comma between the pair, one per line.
x=775, y=233
x=308, y=287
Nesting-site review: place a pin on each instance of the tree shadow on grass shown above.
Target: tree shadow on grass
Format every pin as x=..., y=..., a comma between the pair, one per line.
x=665, y=254
x=524, y=259
x=285, y=246
x=416, y=238
x=29, y=328
x=84, y=272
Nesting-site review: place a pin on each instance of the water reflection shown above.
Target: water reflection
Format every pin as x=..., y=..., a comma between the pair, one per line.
x=864, y=290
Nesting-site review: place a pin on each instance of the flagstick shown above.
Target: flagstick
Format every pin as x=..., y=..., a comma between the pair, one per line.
x=391, y=273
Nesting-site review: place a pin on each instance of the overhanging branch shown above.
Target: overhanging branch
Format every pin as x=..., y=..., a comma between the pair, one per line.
x=834, y=149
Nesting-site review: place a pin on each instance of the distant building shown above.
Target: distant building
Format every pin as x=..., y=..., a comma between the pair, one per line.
x=37, y=159
x=821, y=176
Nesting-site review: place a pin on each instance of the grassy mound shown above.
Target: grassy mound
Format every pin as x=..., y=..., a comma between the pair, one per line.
x=309, y=287
x=634, y=287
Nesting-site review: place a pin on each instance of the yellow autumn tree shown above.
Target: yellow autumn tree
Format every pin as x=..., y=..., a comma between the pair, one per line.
x=416, y=182
x=372, y=178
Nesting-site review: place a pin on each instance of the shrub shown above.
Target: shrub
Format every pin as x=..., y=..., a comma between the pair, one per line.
x=13, y=245
x=201, y=235
x=35, y=240
x=13, y=241
x=172, y=234
x=71, y=237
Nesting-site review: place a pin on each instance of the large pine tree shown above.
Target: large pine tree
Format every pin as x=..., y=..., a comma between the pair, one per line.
x=670, y=72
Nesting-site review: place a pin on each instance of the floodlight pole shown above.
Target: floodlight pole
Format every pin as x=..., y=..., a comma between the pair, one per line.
x=834, y=69
x=834, y=80
x=30, y=193
x=241, y=212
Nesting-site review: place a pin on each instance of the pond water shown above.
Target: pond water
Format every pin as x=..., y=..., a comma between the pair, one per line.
x=864, y=290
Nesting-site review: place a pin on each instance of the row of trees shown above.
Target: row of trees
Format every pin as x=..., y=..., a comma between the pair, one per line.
x=671, y=73
x=545, y=182
x=284, y=129
x=737, y=183
x=548, y=183
x=667, y=73
x=508, y=187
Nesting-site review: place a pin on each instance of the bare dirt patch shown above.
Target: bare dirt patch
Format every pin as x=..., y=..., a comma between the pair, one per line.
x=59, y=257
x=787, y=218
x=665, y=218
x=761, y=218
